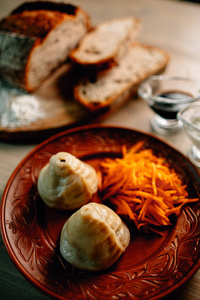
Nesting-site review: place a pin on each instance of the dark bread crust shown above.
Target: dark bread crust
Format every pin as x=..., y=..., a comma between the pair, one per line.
x=31, y=31
x=37, y=18
x=31, y=23
x=15, y=53
x=45, y=5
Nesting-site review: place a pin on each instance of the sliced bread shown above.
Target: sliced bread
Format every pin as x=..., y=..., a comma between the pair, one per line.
x=36, y=38
x=107, y=42
x=120, y=82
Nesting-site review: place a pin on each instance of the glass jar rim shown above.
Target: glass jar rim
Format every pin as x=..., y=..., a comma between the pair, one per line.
x=184, y=120
x=160, y=99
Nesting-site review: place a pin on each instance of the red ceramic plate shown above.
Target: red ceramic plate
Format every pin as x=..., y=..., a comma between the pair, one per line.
x=151, y=267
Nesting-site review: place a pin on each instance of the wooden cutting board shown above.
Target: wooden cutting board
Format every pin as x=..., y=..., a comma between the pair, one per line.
x=58, y=108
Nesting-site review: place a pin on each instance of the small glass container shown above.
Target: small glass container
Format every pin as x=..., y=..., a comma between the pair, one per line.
x=166, y=95
x=190, y=117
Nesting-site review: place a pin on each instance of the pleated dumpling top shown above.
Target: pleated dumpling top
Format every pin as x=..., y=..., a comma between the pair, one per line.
x=94, y=237
x=66, y=182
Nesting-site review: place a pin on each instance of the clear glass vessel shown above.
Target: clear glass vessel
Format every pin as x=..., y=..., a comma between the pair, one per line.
x=166, y=95
x=190, y=117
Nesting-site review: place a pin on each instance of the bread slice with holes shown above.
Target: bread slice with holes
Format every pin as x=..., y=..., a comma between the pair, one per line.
x=36, y=38
x=107, y=42
x=119, y=83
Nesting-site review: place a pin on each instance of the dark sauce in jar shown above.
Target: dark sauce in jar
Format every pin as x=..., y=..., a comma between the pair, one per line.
x=169, y=110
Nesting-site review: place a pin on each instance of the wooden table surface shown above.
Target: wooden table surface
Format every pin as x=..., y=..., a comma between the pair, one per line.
x=171, y=25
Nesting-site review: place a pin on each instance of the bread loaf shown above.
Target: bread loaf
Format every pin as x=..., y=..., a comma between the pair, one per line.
x=117, y=84
x=107, y=42
x=36, y=38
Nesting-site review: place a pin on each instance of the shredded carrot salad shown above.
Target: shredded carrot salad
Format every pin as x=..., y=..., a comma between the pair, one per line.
x=143, y=187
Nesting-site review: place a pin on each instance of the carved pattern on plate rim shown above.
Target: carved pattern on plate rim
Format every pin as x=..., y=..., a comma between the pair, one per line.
x=167, y=267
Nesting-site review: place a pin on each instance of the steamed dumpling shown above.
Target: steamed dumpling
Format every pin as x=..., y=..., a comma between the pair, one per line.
x=94, y=237
x=66, y=182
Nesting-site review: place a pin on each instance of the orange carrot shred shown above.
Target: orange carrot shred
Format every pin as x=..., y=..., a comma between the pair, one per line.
x=143, y=187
